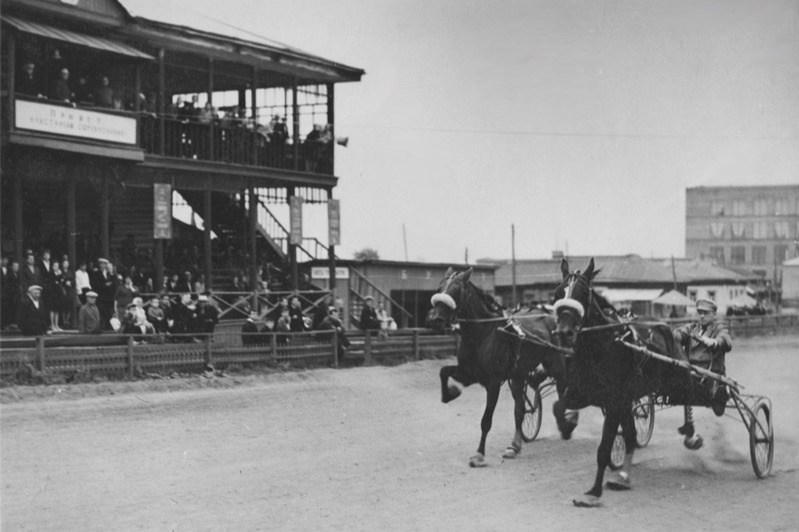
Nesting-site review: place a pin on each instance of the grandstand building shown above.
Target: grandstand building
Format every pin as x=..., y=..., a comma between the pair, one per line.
x=106, y=135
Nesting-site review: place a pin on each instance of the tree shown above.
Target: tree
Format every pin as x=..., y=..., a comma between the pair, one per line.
x=366, y=254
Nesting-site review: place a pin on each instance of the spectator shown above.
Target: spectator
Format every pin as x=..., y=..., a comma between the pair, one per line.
x=283, y=326
x=275, y=313
x=89, y=321
x=30, y=274
x=199, y=284
x=44, y=265
x=124, y=295
x=83, y=95
x=249, y=337
x=11, y=294
x=184, y=285
x=333, y=323
x=207, y=315
x=61, y=90
x=5, y=294
x=295, y=314
x=387, y=323
x=82, y=282
x=313, y=147
x=105, y=284
x=369, y=321
x=70, y=294
x=172, y=283
x=28, y=83
x=32, y=316
x=169, y=314
x=207, y=114
x=322, y=310
x=55, y=296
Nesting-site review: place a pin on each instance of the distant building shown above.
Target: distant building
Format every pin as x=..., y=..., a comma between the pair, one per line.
x=752, y=228
x=790, y=283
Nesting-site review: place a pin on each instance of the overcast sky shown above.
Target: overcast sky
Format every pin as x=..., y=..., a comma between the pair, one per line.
x=581, y=122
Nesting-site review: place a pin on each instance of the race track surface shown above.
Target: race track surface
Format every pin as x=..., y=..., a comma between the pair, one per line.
x=375, y=449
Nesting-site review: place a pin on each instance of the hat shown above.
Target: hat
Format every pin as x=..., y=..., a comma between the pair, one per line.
x=137, y=301
x=91, y=293
x=102, y=260
x=367, y=298
x=253, y=315
x=202, y=298
x=706, y=304
x=33, y=287
x=131, y=305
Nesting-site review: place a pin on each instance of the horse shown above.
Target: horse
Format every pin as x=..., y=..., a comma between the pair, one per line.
x=605, y=371
x=492, y=351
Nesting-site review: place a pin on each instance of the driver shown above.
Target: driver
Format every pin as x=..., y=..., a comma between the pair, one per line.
x=706, y=341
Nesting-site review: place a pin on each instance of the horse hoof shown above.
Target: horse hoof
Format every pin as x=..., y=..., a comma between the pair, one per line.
x=587, y=501
x=620, y=482
x=477, y=461
x=694, y=443
x=510, y=452
x=454, y=392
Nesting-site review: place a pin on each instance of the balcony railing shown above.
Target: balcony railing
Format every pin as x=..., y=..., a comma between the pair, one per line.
x=232, y=142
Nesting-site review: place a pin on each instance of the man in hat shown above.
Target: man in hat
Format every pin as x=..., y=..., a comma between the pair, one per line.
x=249, y=337
x=89, y=315
x=369, y=321
x=333, y=323
x=32, y=318
x=105, y=284
x=705, y=342
x=28, y=82
x=207, y=314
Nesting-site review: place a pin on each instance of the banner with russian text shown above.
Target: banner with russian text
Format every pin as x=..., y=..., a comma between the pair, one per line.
x=162, y=211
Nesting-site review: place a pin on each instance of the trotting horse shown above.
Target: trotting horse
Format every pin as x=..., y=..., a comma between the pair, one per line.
x=492, y=351
x=606, y=372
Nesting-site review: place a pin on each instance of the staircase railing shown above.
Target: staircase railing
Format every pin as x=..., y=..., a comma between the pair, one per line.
x=360, y=287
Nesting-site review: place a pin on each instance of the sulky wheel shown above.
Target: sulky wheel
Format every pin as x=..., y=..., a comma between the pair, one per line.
x=644, y=416
x=761, y=439
x=531, y=423
x=617, y=453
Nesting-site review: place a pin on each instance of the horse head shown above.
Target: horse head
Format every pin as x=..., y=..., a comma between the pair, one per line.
x=448, y=299
x=573, y=300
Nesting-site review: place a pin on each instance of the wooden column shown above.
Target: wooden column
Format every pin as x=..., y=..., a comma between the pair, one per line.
x=254, y=106
x=253, y=219
x=207, y=233
x=295, y=135
x=137, y=89
x=292, y=248
x=158, y=262
x=71, y=223
x=12, y=72
x=331, y=119
x=331, y=254
x=19, y=236
x=105, y=236
x=212, y=125
x=161, y=102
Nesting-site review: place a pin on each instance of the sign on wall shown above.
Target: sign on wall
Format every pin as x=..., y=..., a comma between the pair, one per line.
x=333, y=222
x=295, y=220
x=73, y=122
x=324, y=273
x=162, y=211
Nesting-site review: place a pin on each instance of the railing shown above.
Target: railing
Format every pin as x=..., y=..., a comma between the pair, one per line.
x=75, y=358
x=230, y=141
x=361, y=287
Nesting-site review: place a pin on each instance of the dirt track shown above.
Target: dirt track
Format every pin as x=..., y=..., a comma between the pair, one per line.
x=374, y=449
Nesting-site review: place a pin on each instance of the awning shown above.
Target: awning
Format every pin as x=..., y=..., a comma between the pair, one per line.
x=619, y=295
x=743, y=300
x=80, y=39
x=674, y=298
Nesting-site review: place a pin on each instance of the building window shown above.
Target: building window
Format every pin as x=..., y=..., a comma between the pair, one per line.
x=781, y=230
x=692, y=295
x=711, y=295
x=780, y=253
x=717, y=230
x=758, y=254
x=760, y=207
x=783, y=206
x=739, y=208
x=738, y=230
x=717, y=208
x=737, y=255
x=760, y=230
x=717, y=252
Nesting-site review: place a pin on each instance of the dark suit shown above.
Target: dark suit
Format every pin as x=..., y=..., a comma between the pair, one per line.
x=105, y=285
x=28, y=277
x=32, y=321
x=369, y=321
x=9, y=297
x=28, y=85
x=248, y=336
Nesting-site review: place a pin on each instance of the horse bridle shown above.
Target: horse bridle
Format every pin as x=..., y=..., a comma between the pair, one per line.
x=577, y=277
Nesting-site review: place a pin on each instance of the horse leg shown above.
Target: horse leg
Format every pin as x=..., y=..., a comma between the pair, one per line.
x=517, y=390
x=566, y=419
x=592, y=497
x=621, y=479
x=449, y=391
x=693, y=440
x=492, y=396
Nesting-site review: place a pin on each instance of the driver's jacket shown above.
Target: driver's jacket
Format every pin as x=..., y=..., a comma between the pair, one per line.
x=708, y=357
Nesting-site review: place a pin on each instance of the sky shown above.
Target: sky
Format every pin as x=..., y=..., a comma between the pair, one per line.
x=581, y=123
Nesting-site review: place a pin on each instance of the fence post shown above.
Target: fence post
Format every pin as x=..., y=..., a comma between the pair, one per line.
x=367, y=347
x=40, y=352
x=335, y=348
x=416, y=344
x=273, y=346
x=208, y=350
x=129, y=356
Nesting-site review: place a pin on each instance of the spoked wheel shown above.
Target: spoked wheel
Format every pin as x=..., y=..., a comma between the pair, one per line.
x=531, y=423
x=617, y=453
x=644, y=416
x=761, y=439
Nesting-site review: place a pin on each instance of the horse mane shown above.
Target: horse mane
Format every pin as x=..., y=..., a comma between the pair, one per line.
x=487, y=300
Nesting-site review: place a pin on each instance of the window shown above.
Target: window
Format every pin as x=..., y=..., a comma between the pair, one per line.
x=739, y=208
x=737, y=255
x=780, y=253
x=760, y=230
x=738, y=230
x=717, y=252
x=783, y=206
x=758, y=254
x=717, y=208
x=692, y=295
x=760, y=207
x=781, y=229
x=711, y=295
x=717, y=230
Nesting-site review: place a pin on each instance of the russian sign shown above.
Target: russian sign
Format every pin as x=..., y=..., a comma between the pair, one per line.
x=73, y=122
x=295, y=220
x=333, y=222
x=324, y=273
x=162, y=211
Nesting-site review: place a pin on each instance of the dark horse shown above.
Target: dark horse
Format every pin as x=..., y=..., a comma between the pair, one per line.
x=606, y=372
x=492, y=351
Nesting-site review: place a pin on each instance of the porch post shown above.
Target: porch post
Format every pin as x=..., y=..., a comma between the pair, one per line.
x=71, y=224
x=331, y=119
x=253, y=102
x=161, y=102
x=295, y=111
x=211, y=126
x=105, y=245
x=137, y=89
x=158, y=261
x=292, y=248
x=18, y=231
x=253, y=223
x=12, y=72
x=207, y=233
x=331, y=254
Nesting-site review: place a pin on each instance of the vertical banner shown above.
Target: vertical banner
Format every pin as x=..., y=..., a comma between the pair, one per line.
x=162, y=211
x=333, y=222
x=295, y=221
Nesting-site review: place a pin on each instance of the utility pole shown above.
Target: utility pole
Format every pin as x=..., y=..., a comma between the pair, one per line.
x=674, y=272
x=405, y=242
x=513, y=261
